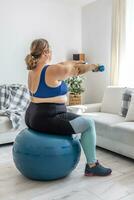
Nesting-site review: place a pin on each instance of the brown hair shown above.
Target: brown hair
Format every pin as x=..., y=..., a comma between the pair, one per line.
x=38, y=46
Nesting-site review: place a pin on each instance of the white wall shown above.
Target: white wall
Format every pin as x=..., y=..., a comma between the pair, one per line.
x=23, y=21
x=96, y=44
x=59, y=21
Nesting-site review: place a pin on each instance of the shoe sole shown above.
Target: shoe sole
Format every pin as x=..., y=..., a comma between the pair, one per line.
x=96, y=174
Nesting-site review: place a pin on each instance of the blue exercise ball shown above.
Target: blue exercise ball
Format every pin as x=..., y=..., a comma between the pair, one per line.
x=42, y=156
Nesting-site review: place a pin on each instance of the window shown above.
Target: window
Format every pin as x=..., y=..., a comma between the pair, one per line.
x=126, y=71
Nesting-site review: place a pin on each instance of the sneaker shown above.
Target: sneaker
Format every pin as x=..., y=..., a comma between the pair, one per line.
x=97, y=170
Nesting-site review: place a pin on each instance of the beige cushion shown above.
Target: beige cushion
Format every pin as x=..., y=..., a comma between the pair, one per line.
x=112, y=100
x=5, y=124
x=130, y=113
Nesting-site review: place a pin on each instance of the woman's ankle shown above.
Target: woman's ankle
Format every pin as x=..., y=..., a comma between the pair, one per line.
x=91, y=165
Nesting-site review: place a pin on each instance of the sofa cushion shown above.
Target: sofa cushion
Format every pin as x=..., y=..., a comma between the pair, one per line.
x=113, y=127
x=104, y=122
x=5, y=124
x=112, y=99
x=124, y=132
x=106, y=119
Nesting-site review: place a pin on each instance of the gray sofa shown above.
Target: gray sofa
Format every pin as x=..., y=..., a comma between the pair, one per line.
x=113, y=131
x=7, y=132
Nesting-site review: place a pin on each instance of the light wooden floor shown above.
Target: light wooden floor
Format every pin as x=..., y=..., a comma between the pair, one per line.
x=118, y=186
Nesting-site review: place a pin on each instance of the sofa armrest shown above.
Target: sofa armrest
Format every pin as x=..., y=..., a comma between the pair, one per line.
x=95, y=107
x=79, y=109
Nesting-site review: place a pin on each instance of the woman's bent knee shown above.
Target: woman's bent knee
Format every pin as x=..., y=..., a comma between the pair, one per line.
x=82, y=123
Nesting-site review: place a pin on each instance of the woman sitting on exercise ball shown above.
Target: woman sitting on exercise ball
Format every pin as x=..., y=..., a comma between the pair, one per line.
x=47, y=110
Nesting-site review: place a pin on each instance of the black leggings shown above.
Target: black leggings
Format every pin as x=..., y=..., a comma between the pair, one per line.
x=51, y=118
x=54, y=119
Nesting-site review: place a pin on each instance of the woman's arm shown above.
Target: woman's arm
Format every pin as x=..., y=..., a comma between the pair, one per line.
x=83, y=68
x=64, y=70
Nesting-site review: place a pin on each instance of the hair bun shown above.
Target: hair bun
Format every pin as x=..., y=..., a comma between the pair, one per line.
x=37, y=48
x=31, y=62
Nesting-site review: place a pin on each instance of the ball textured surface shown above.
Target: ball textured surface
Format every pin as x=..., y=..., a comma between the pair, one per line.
x=42, y=156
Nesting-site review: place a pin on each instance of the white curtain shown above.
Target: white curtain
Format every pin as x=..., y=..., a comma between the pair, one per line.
x=118, y=39
x=126, y=73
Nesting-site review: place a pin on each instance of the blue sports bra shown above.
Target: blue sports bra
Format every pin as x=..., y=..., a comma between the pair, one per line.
x=45, y=91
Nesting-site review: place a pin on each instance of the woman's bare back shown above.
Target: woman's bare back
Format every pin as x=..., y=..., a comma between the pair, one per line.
x=33, y=83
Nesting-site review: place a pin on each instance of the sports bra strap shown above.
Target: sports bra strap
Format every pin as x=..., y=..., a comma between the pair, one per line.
x=42, y=76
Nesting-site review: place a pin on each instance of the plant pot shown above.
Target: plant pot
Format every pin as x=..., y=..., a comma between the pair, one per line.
x=74, y=99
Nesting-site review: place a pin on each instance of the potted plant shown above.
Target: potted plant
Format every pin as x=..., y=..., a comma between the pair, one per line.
x=75, y=89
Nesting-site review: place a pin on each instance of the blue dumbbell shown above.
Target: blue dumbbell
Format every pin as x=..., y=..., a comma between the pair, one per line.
x=100, y=68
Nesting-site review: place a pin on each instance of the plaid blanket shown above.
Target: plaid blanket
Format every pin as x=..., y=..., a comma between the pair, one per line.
x=126, y=99
x=14, y=100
